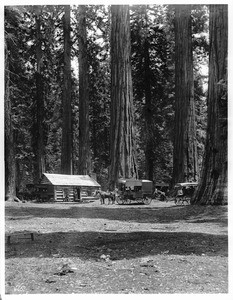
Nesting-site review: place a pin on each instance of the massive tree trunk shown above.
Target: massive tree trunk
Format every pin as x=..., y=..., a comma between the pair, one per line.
x=185, y=163
x=10, y=163
x=84, y=138
x=212, y=188
x=67, y=134
x=122, y=135
x=39, y=168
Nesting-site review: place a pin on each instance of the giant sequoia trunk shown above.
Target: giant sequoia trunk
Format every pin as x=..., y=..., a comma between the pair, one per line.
x=84, y=139
x=122, y=136
x=185, y=164
x=10, y=164
x=39, y=168
x=213, y=184
x=67, y=134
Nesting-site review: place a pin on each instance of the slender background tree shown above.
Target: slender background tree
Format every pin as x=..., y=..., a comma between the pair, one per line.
x=84, y=127
x=152, y=85
x=67, y=130
x=99, y=90
x=14, y=74
x=39, y=79
x=10, y=164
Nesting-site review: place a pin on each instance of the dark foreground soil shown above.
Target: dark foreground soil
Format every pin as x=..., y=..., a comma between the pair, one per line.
x=92, y=248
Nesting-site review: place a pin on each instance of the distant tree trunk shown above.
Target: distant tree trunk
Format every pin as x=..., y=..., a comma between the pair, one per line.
x=212, y=188
x=67, y=134
x=122, y=135
x=10, y=163
x=149, y=152
x=84, y=138
x=185, y=162
x=39, y=134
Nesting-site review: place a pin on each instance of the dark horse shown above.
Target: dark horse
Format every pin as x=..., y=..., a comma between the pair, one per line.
x=106, y=195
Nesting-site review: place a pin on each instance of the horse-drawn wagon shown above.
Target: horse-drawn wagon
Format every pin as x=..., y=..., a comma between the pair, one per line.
x=134, y=190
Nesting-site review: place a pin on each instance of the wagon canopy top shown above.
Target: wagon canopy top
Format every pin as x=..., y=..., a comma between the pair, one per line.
x=133, y=182
x=186, y=184
x=69, y=180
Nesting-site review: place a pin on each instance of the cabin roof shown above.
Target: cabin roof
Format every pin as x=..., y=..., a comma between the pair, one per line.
x=69, y=180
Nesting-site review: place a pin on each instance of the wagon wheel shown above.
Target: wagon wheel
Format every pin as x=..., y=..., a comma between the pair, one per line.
x=177, y=201
x=139, y=200
x=147, y=200
x=186, y=199
x=119, y=200
x=128, y=201
x=125, y=201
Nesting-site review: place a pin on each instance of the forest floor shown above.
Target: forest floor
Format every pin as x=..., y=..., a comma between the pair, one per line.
x=128, y=249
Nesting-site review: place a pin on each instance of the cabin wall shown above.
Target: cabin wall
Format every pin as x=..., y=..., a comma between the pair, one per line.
x=61, y=192
x=45, y=192
x=58, y=193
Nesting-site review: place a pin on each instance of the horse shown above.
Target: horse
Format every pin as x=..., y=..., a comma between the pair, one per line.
x=106, y=195
x=159, y=194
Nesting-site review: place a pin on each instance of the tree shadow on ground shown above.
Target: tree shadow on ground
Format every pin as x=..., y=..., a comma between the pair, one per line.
x=140, y=214
x=90, y=245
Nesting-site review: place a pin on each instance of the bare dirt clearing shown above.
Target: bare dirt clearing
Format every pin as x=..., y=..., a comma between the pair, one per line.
x=92, y=248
